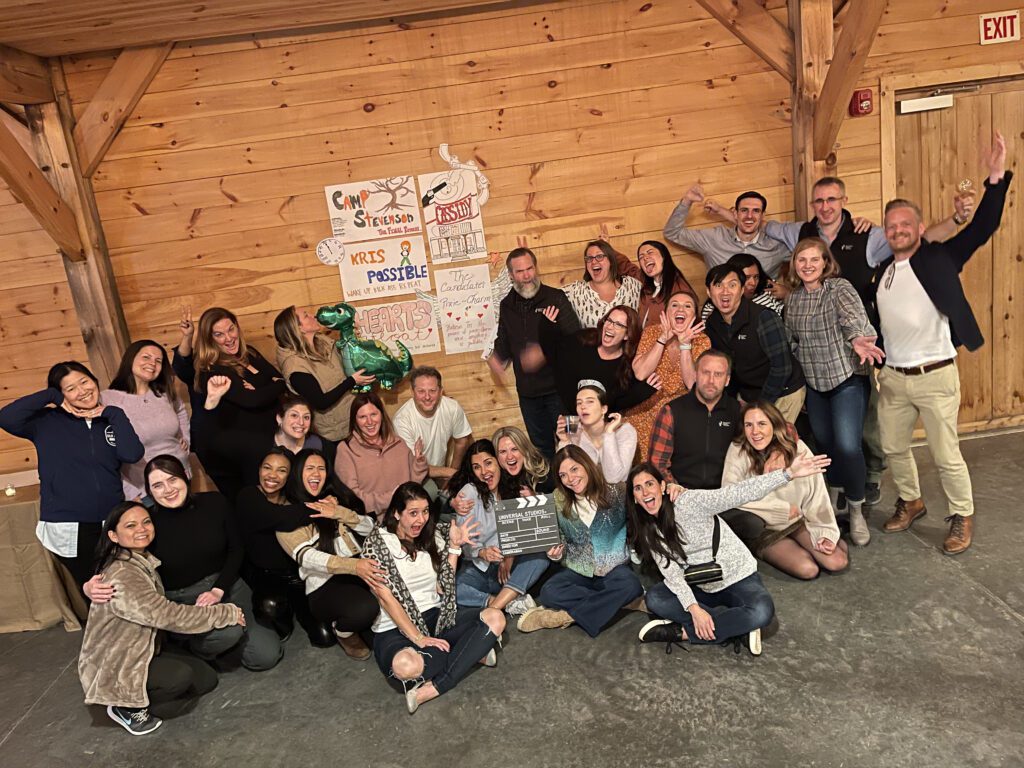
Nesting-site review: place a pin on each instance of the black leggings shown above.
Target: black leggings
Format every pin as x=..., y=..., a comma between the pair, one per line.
x=82, y=567
x=176, y=680
x=347, y=602
x=279, y=597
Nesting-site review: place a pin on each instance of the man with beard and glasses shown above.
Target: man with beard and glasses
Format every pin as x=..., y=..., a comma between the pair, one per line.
x=519, y=318
x=923, y=317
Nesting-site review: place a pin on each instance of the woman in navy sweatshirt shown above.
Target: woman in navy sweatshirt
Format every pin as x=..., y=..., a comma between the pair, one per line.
x=80, y=445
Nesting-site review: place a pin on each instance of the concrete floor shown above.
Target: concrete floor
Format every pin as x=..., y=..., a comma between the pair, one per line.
x=911, y=658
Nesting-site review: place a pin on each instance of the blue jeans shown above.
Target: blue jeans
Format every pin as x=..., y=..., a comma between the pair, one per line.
x=837, y=420
x=473, y=586
x=736, y=610
x=539, y=416
x=592, y=601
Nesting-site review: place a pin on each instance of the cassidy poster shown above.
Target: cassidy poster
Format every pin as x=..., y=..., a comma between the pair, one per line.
x=453, y=225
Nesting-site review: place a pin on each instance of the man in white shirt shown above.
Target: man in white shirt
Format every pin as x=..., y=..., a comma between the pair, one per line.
x=924, y=316
x=439, y=422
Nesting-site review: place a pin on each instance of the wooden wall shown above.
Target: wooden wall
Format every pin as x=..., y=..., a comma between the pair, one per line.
x=583, y=113
x=38, y=326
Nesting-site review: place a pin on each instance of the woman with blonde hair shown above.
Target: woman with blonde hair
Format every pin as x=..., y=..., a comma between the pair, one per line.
x=312, y=369
x=521, y=459
x=244, y=413
x=801, y=535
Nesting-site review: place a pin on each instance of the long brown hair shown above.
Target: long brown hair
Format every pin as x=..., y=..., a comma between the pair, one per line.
x=162, y=385
x=830, y=269
x=387, y=430
x=781, y=441
x=597, y=489
x=208, y=354
x=425, y=542
x=288, y=336
x=591, y=337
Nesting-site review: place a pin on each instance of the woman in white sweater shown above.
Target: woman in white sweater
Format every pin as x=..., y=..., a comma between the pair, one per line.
x=605, y=437
x=801, y=535
x=712, y=591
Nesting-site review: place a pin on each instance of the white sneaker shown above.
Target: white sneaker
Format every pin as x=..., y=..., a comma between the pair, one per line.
x=754, y=642
x=491, y=659
x=520, y=605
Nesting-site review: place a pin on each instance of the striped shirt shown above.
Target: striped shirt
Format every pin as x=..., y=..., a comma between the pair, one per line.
x=822, y=324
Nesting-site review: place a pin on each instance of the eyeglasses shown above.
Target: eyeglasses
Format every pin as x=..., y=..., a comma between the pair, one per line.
x=829, y=200
x=589, y=259
x=617, y=324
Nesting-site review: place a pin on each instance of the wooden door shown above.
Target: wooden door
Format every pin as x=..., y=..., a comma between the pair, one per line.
x=935, y=150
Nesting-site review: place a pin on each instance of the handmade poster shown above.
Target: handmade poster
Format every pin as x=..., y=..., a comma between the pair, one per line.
x=453, y=225
x=375, y=209
x=384, y=268
x=410, y=321
x=465, y=308
x=526, y=525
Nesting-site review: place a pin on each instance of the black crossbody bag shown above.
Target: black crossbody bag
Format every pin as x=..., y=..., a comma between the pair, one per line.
x=705, y=573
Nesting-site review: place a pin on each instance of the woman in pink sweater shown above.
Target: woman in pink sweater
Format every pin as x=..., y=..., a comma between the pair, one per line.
x=373, y=460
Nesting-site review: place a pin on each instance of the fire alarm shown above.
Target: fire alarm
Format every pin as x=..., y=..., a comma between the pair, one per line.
x=861, y=103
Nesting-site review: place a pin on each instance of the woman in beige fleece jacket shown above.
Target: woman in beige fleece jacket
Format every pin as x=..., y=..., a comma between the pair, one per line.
x=119, y=664
x=801, y=535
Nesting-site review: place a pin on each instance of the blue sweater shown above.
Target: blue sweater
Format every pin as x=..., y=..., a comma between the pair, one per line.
x=596, y=550
x=79, y=465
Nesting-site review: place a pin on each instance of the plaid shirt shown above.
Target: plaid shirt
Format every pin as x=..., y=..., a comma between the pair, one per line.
x=659, y=452
x=822, y=324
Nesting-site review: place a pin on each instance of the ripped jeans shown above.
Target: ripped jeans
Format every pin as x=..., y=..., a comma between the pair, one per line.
x=469, y=640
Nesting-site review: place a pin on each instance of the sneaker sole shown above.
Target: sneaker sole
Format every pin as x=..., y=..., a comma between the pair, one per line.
x=649, y=626
x=119, y=721
x=754, y=642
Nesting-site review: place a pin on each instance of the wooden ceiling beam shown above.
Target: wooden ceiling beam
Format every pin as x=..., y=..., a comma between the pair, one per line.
x=28, y=184
x=847, y=65
x=24, y=78
x=18, y=128
x=758, y=29
x=113, y=103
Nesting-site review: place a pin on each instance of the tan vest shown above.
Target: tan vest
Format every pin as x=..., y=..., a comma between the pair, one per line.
x=332, y=423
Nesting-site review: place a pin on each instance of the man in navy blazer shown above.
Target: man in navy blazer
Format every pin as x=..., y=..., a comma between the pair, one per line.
x=923, y=317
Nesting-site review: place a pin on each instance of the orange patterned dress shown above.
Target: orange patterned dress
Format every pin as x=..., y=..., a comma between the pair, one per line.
x=672, y=386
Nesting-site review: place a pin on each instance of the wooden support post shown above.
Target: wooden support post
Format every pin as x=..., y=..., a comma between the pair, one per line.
x=117, y=96
x=30, y=186
x=811, y=22
x=751, y=23
x=24, y=78
x=847, y=65
x=91, y=280
x=18, y=129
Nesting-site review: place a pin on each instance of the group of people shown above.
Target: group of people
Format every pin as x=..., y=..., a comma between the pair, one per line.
x=673, y=436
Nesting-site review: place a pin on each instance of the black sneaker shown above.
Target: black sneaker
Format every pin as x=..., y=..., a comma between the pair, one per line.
x=841, y=502
x=872, y=494
x=663, y=631
x=138, y=722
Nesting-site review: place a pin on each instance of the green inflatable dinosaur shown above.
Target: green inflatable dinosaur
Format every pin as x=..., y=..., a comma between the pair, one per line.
x=372, y=356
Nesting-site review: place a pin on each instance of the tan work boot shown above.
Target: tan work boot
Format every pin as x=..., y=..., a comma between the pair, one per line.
x=543, y=618
x=354, y=647
x=906, y=513
x=961, y=531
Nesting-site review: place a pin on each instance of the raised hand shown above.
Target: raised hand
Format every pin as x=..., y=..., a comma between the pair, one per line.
x=995, y=158
x=666, y=329
x=186, y=325
x=417, y=449
x=550, y=312
x=561, y=430
x=690, y=332
x=866, y=349
x=694, y=194
x=216, y=388
x=603, y=232
x=466, y=532
x=963, y=203
x=90, y=413
x=614, y=422
x=805, y=465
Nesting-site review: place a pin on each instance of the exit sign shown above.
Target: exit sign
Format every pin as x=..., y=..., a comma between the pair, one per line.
x=1002, y=27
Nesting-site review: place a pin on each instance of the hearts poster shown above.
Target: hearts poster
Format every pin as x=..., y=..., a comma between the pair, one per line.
x=410, y=322
x=465, y=307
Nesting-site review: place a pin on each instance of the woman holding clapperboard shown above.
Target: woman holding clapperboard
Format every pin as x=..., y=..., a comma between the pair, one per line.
x=487, y=579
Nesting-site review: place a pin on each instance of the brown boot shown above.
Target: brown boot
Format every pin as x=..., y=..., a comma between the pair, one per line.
x=961, y=531
x=906, y=513
x=354, y=647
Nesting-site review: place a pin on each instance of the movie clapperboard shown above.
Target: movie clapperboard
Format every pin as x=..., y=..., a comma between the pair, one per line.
x=526, y=525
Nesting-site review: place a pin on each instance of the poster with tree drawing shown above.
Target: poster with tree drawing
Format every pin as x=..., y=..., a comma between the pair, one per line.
x=375, y=209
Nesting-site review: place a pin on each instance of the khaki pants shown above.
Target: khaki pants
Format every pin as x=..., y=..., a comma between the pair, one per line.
x=789, y=405
x=935, y=397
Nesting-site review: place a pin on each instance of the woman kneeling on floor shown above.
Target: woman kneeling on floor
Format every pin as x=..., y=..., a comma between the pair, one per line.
x=487, y=578
x=801, y=534
x=596, y=580
x=422, y=643
x=120, y=664
x=681, y=534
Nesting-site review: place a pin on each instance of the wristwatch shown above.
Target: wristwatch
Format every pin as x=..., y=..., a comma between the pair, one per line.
x=785, y=474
